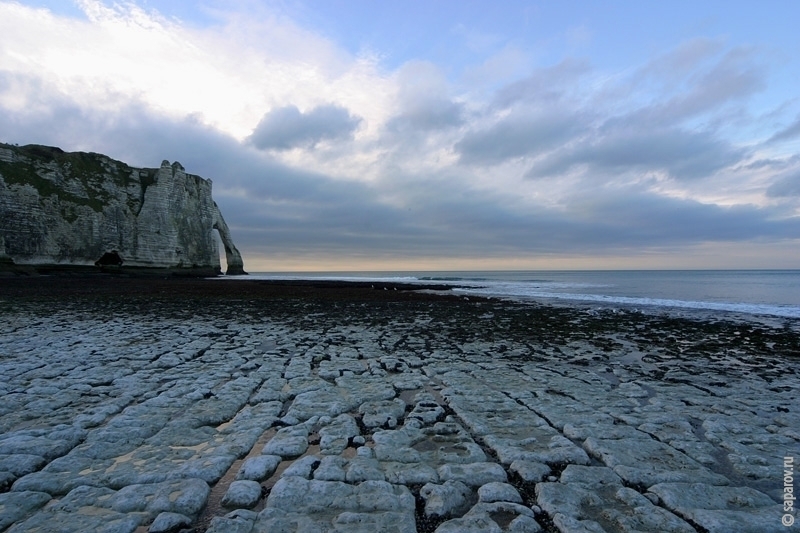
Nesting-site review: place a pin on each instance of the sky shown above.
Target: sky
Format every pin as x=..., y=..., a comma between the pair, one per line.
x=438, y=135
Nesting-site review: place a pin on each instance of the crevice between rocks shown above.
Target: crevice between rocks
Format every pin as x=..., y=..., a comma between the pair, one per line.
x=213, y=507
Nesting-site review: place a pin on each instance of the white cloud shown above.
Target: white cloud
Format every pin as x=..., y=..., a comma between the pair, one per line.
x=227, y=76
x=414, y=162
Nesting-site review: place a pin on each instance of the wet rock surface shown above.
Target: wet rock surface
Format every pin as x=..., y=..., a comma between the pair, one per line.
x=339, y=409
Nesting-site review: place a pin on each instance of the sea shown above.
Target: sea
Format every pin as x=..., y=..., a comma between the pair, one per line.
x=774, y=293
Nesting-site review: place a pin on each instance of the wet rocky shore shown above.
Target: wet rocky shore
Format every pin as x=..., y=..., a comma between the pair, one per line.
x=160, y=405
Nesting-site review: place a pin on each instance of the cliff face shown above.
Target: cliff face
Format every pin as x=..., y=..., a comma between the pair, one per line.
x=59, y=208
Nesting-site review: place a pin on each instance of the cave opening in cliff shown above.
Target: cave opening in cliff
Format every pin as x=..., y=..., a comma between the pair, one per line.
x=111, y=258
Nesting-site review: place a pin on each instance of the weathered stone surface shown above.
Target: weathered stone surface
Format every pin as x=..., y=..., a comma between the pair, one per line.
x=452, y=498
x=231, y=523
x=128, y=406
x=473, y=474
x=593, y=499
x=242, y=495
x=288, y=442
x=470, y=524
x=81, y=208
x=335, y=436
x=646, y=462
x=17, y=505
x=530, y=471
x=497, y=516
x=302, y=467
x=83, y=509
x=409, y=474
x=380, y=413
x=363, y=469
x=719, y=509
x=20, y=464
x=258, y=468
x=298, y=504
x=331, y=469
x=183, y=496
x=498, y=492
x=169, y=523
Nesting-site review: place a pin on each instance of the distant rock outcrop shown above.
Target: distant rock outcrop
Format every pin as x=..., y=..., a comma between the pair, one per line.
x=60, y=209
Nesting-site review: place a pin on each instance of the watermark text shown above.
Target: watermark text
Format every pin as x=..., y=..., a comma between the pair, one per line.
x=788, y=492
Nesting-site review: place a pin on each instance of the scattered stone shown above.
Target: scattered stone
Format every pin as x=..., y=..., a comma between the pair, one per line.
x=379, y=413
x=362, y=469
x=231, y=523
x=473, y=474
x=21, y=464
x=258, y=468
x=288, y=442
x=530, y=471
x=302, y=467
x=409, y=474
x=324, y=504
x=449, y=499
x=242, y=495
x=169, y=523
x=498, y=492
x=17, y=505
x=336, y=435
x=331, y=469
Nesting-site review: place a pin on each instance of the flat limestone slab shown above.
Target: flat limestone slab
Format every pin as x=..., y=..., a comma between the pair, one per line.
x=645, y=462
x=721, y=509
x=295, y=502
x=131, y=409
x=594, y=499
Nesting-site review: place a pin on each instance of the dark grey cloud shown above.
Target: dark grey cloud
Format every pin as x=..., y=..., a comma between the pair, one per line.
x=519, y=135
x=275, y=210
x=683, y=154
x=786, y=187
x=287, y=127
x=669, y=116
x=643, y=219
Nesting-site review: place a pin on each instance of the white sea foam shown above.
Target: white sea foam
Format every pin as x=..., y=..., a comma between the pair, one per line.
x=521, y=292
x=748, y=292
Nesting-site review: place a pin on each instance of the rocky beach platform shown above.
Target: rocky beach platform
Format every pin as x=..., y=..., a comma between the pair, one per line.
x=166, y=405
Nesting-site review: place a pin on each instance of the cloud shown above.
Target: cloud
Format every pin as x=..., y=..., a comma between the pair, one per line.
x=669, y=117
x=518, y=135
x=786, y=187
x=790, y=132
x=316, y=152
x=286, y=127
x=723, y=80
x=423, y=102
x=546, y=85
x=427, y=115
x=680, y=153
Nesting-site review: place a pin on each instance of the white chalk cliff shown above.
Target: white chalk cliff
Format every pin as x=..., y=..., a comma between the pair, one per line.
x=82, y=209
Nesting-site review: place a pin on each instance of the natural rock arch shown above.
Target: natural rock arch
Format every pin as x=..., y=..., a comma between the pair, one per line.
x=232, y=255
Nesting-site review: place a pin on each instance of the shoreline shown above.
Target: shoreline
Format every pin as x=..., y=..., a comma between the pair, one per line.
x=448, y=412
